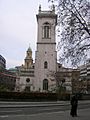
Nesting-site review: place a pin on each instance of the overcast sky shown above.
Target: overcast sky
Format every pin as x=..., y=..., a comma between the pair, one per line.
x=18, y=29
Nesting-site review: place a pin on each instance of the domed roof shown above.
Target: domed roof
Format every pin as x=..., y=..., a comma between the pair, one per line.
x=29, y=49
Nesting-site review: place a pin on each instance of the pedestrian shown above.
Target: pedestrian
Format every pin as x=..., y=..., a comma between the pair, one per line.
x=74, y=105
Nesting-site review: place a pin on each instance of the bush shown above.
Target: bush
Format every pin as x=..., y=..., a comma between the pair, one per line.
x=28, y=96
x=63, y=96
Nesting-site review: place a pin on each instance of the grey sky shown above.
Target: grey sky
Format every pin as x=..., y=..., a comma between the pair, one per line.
x=18, y=28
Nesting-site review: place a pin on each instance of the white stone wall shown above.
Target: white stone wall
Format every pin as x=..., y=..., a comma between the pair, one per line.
x=46, y=51
x=21, y=83
x=41, y=21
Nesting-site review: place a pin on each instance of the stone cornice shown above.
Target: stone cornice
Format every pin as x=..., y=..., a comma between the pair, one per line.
x=45, y=43
x=47, y=15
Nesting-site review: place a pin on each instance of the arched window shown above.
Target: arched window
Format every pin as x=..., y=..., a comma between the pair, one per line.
x=45, y=84
x=45, y=65
x=46, y=30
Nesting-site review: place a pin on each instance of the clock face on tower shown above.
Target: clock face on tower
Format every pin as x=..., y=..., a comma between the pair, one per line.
x=46, y=30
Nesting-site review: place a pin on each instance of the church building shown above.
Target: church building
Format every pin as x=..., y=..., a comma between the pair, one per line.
x=41, y=75
x=36, y=76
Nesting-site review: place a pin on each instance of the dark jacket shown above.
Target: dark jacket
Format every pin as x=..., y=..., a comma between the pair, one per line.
x=74, y=101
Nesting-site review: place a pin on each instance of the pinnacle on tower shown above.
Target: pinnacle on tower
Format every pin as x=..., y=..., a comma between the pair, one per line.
x=39, y=8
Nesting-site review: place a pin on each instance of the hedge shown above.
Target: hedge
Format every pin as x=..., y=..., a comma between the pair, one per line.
x=33, y=96
x=24, y=96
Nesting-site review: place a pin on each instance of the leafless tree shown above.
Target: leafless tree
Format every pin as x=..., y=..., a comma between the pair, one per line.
x=73, y=29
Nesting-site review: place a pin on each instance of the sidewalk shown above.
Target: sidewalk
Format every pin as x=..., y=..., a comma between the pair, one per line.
x=37, y=104
x=83, y=114
x=32, y=104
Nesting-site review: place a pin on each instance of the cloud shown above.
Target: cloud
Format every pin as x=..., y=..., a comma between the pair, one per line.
x=13, y=62
x=18, y=28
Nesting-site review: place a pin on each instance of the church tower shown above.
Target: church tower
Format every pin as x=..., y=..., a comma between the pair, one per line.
x=46, y=55
x=28, y=60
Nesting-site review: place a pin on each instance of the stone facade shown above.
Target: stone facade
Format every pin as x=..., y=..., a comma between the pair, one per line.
x=45, y=74
x=46, y=56
x=68, y=78
x=25, y=74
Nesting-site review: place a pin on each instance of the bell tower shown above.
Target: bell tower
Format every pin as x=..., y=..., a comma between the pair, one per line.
x=28, y=60
x=46, y=55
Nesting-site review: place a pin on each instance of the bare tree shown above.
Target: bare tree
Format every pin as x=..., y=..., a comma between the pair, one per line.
x=73, y=29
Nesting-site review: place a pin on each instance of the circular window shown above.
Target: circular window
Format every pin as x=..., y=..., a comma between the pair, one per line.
x=28, y=80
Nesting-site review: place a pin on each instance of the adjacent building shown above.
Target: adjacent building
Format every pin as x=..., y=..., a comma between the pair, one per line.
x=85, y=76
x=7, y=81
x=7, y=78
x=68, y=78
x=2, y=62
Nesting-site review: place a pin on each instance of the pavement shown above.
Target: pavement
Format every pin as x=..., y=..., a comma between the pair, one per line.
x=61, y=115
x=5, y=104
x=83, y=114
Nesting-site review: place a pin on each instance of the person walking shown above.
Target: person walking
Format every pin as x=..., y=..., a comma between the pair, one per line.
x=74, y=105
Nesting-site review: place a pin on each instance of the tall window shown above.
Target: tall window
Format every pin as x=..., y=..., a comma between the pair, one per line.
x=46, y=30
x=45, y=84
x=45, y=65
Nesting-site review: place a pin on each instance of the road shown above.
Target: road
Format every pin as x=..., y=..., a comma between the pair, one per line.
x=44, y=111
